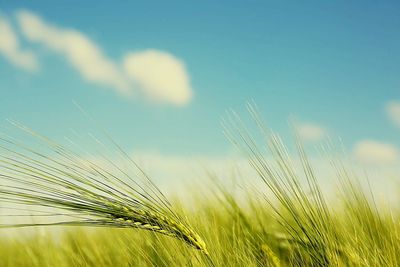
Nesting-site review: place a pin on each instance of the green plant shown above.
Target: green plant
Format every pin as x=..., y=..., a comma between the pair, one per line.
x=84, y=192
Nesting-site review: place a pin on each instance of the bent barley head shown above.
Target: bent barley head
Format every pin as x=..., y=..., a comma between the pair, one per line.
x=85, y=191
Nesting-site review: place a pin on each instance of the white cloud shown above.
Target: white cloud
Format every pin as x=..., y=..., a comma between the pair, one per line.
x=11, y=50
x=374, y=152
x=79, y=50
x=159, y=75
x=311, y=132
x=162, y=76
x=393, y=111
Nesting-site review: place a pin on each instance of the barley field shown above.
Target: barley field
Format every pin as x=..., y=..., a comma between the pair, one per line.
x=77, y=212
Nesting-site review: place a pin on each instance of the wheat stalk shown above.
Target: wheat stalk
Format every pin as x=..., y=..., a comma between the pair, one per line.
x=86, y=192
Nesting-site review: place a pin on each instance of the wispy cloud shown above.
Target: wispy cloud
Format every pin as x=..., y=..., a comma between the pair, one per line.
x=158, y=75
x=10, y=48
x=80, y=51
x=311, y=131
x=374, y=152
x=393, y=111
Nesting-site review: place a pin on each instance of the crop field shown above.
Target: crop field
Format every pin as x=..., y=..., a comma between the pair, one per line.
x=86, y=214
x=234, y=237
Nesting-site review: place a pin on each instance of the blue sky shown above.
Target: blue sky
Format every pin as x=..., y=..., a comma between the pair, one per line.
x=333, y=66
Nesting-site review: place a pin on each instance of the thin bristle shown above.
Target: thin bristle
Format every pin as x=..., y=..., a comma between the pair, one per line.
x=87, y=192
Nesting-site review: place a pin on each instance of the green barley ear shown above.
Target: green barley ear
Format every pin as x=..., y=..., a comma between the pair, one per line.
x=67, y=189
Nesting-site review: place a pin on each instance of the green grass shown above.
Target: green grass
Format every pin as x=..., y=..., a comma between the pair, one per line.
x=290, y=223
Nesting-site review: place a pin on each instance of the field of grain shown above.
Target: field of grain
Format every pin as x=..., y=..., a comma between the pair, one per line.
x=103, y=219
x=353, y=235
